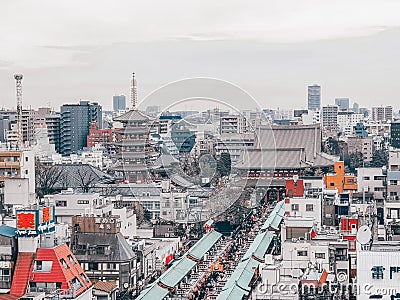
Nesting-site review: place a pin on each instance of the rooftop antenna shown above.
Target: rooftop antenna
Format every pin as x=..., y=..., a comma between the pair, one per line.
x=18, y=82
x=133, y=92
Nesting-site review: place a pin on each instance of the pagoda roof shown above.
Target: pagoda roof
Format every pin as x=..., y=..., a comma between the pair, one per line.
x=133, y=115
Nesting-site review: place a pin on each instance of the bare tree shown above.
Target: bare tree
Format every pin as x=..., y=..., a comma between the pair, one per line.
x=48, y=178
x=86, y=180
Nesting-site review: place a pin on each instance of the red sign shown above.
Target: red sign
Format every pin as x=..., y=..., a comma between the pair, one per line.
x=26, y=221
x=46, y=214
x=169, y=258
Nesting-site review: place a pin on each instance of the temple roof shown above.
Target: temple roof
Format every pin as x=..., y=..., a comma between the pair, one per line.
x=286, y=147
x=133, y=115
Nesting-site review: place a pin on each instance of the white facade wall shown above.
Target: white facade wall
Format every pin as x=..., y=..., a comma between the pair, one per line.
x=305, y=208
x=372, y=180
x=366, y=260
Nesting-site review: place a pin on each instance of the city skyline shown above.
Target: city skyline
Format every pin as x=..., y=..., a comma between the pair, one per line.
x=275, y=66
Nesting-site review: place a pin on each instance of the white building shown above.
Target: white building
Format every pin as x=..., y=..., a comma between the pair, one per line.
x=69, y=204
x=346, y=121
x=128, y=221
x=378, y=271
x=312, y=117
x=232, y=124
x=371, y=180
x=305, y=208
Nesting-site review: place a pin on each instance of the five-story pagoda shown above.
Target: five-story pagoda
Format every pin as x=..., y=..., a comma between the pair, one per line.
x=135, y=152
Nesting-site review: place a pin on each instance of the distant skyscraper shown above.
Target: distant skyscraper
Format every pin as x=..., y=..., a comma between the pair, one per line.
x=343, y=103
x=314, y=97
x=364, y=111
x=356, y=107
x=74, y=125
x=119, y=102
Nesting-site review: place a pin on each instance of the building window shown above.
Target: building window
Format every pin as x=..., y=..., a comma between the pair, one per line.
x=84, y=278
x=320, y=255
x=76, y=284
x=366, y=178
x=93, y=266
x=295, y=207
x=332, y=184
x=64, y=263
x=393, y=182
x=71, y=259
x=302, y=253
x=60, y=203
x=83, y=201
x=309, y=207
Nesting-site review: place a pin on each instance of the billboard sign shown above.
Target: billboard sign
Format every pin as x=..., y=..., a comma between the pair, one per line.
x=33, y=222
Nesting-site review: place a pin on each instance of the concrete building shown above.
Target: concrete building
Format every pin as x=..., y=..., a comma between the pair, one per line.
x=234, y=144
x=378, y=273
x=119, y=102
x=363, y=145
x=232, y=124
x=304, y=208
x=347, y=120
x=372, y=180
x=312, y=117
x=330, y=117
x=314, y=97
x=74, y=125
x=17, y=178
x=382, y=113
x=343, y=103
x=69, y=204
x=53, y=129
x=8, y=255
x=103, y=251
x=395, y=134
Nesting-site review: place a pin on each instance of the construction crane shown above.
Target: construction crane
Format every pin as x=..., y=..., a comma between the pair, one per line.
x=18, y=81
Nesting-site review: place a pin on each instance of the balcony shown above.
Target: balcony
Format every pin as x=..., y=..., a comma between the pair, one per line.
x=9, y=165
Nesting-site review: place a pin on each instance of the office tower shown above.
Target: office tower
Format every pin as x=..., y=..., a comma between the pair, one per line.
x=356, y=107
x=395, y=135
x=330, y=117
x=343, y=103
x=382, y=113
x=314, y=97
x=119, y=102
x=74, y=125
x=364, y=111
x=53, y=129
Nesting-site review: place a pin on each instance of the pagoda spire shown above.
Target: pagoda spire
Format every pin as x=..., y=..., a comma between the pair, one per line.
x=133, y=93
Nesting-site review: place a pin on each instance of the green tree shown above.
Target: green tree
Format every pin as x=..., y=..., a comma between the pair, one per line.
x=380, y=158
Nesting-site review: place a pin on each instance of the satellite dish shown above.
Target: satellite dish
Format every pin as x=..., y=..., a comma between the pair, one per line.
x=364, y=235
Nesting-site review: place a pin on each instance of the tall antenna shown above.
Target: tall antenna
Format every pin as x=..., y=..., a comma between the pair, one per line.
x=18, y=86
x=133, y=92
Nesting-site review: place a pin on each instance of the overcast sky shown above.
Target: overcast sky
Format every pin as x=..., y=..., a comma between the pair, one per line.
x=71, y=50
